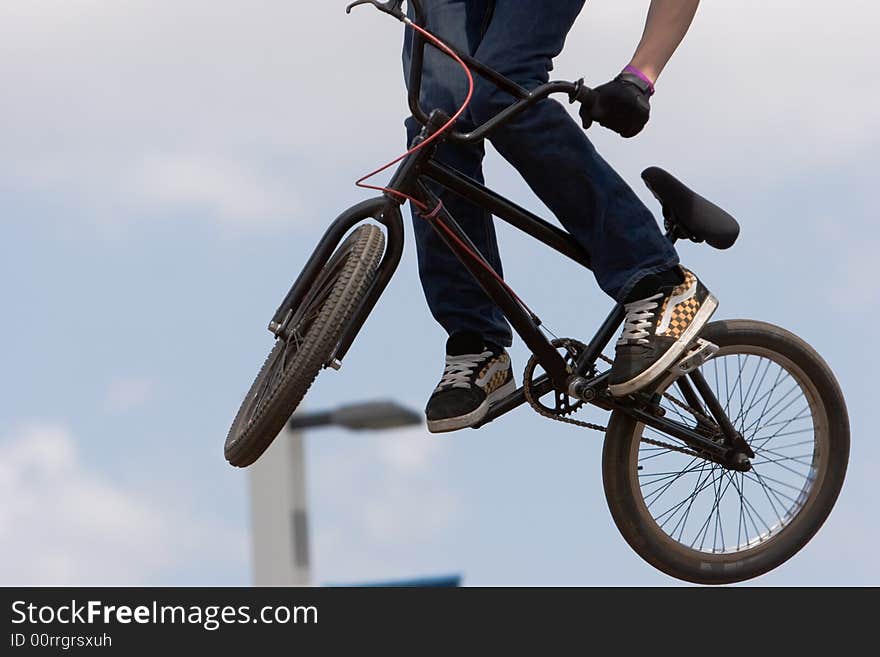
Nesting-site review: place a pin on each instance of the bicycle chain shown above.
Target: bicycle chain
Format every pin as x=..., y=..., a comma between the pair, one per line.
x=589, y=425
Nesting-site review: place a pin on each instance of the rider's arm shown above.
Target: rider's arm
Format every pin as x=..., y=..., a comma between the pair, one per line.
x=668, y=22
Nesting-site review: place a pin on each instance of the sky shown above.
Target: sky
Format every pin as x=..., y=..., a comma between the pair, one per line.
x=166, y=169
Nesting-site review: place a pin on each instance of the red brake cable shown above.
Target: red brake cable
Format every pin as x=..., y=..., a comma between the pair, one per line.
x=467, y=101
x=433, y=215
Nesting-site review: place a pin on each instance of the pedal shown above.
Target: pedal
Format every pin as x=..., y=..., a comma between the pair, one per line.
x=699, y=353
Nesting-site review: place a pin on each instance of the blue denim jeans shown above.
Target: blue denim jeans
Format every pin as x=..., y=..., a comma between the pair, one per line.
x=520, y=38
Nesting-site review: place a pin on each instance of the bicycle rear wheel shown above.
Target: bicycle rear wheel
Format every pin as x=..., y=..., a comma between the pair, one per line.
x=294, y=363
x=697, y=521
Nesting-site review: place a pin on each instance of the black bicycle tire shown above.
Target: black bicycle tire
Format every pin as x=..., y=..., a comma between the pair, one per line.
x=244, y=446
x=653, y=545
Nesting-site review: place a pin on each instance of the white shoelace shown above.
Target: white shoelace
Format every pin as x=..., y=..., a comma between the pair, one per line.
x=460, y=369
x=636, y=327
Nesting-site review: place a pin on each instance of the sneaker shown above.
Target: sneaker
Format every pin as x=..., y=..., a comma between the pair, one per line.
x=476, y=376
x=657, y=333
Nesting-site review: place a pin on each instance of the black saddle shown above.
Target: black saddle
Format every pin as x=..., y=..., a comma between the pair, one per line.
x=689, y=214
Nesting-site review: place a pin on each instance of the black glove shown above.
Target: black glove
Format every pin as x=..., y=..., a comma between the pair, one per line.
x=622, y=105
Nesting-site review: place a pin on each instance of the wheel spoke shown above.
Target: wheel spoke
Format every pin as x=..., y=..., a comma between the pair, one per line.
x=767, y=410
x=746, y=408
x=657, y=493
x=767, y=396
x=769, y=499
x=783, y=457
x=717, y=510
x=755, y=399
x=713, y=511
x=741, y=363
x=781, y=483
x=683, y=520
x=781, y=410
x=809, y=441
x=675, y=408
x=776, y=492
x=778, y=433
x=794, y=419
x=740, y=516
x=778, y=463
x=749, y=514
x=692, y=499
x=675, y=508
x=664, y=451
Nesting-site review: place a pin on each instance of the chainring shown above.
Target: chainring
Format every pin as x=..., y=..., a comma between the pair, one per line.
x=564, y=407
x=563, y=404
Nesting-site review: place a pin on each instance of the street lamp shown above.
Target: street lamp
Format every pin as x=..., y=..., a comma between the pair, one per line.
x=369, y=416
x=279, y=514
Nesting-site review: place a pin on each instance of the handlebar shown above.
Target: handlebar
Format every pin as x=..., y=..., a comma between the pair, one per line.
x=577, y=91
x=393, y=7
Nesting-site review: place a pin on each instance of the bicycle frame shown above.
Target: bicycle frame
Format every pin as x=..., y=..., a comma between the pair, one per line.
x=414, y=175
x=417, y=176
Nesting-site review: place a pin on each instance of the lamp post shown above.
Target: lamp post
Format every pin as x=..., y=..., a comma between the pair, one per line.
x=279, y=513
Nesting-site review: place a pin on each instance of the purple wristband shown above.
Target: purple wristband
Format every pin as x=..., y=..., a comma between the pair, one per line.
x=632, y=69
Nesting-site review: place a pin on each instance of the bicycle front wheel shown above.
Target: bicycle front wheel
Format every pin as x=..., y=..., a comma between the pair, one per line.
x=700, y=522
x=315, y=331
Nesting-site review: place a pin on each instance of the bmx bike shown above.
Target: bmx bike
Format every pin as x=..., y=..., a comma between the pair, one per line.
x=719, y=471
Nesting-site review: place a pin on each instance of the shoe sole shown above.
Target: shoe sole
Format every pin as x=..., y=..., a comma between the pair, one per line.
x=672, y=356
x=470, y=419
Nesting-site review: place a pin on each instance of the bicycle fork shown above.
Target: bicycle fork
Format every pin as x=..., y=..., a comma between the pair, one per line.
x=380, y=209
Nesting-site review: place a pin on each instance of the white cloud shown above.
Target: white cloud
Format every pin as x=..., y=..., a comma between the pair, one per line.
x=125, y=110
x=397, y=512
x=65, y=524
x=377, y=499
x=394, y=507
x=759, y=90
x=850, y=280
x=409, y=451
x=235, y=195
x=125, y=394
x=398, y=515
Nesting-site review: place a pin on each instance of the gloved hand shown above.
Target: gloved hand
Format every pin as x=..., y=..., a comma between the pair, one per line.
x=622, y=105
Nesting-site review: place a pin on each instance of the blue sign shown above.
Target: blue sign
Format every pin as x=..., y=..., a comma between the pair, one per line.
x=449, y=581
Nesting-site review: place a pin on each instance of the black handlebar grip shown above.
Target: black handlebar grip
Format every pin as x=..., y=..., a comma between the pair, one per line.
x=587, y=98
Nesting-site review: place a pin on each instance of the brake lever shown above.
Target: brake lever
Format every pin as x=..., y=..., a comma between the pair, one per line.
x=581, y=93
x=392, y=7
x=585, y=96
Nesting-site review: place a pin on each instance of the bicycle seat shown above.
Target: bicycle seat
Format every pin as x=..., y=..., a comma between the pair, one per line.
x=699, y=220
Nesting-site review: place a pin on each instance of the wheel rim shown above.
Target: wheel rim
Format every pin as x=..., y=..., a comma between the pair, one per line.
x=703, y=507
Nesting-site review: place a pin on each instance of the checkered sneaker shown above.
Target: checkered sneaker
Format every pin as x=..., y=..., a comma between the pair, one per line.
x=657, y=332
x=471, y=383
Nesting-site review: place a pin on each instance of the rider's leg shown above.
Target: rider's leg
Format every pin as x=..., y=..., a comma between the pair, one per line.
x=554, y=155
x=455, y=299
x=632, y=260
x=477, y=369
